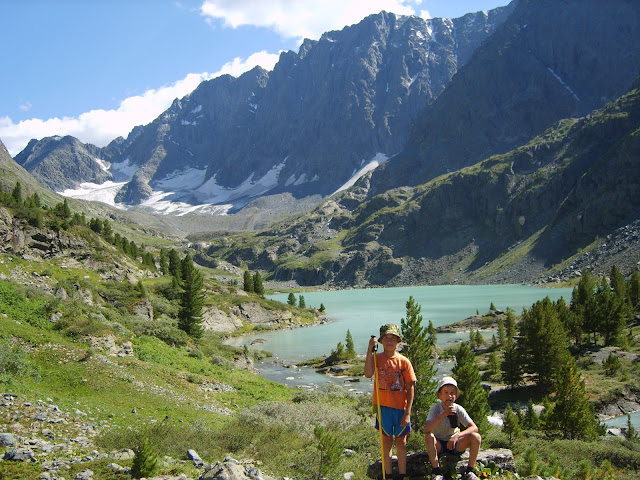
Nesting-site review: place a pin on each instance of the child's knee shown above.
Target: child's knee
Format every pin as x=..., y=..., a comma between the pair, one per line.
x=476, y=439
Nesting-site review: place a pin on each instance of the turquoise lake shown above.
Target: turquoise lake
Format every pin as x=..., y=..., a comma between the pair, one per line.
x=362, y=311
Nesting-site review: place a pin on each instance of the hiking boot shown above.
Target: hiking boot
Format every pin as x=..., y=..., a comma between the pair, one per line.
x=470, y=475
x=437, y=476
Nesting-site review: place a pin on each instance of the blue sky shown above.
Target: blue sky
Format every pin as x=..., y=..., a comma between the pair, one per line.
x=94, y=69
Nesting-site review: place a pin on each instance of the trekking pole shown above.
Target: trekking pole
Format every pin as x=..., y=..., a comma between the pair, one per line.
x=376, y=386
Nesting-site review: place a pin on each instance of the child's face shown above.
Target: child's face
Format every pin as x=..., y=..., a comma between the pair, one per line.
x=448, y=394
x=389, y=342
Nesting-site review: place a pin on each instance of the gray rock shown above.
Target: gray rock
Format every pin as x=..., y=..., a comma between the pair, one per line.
x=7, y=440
x=20, y=455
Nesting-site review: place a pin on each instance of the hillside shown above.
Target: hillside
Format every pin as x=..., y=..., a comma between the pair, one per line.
x=544, y=210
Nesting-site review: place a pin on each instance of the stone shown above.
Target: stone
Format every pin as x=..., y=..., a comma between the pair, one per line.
x=418, y=464
x=7, y=440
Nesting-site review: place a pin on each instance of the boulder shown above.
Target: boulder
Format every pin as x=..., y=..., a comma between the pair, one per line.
x=418, y=464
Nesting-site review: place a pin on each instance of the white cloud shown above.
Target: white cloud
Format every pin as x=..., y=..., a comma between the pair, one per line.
x=299, y=19
x=99, y=127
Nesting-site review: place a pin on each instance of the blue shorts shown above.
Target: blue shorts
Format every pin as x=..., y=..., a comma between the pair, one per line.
x=445, y=449
x=391, y=422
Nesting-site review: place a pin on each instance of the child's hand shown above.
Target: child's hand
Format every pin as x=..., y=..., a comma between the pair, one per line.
x=406, y=419
x=373, y=343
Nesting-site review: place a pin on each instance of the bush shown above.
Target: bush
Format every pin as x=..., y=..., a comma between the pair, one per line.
x=13, y=361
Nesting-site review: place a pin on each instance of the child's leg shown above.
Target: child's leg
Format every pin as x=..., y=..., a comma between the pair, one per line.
x=401, y=453
x=472, y=442
x=432, y=448
x=387, y=445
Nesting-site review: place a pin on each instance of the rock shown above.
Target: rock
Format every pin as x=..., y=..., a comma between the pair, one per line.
x=197, y=461
x=20, y=455
x=418, y=463
x=7, y=440
x=231, y=469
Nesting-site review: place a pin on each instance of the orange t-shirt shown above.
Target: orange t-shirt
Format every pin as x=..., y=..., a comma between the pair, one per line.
x=394, y=373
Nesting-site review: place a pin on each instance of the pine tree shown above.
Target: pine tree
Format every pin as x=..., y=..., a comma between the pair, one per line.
x=473, y=396
x=174, y=263
x=258, y=286
x=191, y=299
x=16, y=194
x=329, y=449
x=511, y=323
x=542, y=344
x=145, y=460
x=164, y=261
x=433, y=333
x=301, y=302
x=531, y=418
x=583, y=302
x=502, y=333
x=247, y=285
x=418, y=349
x=511, y=425
x=350, y=351
x=291, y=299
x=573, y=414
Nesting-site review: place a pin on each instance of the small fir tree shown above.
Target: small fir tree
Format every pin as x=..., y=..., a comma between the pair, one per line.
x=145, y=460
x=473, y=396
x=247, y=282
x=330, y=451
x=258, y=286
x=573, y=414
x=511, y=425
x=291, y=299
x=301, y=302
x=191, y=300
x=418, y=349
x=350, y=351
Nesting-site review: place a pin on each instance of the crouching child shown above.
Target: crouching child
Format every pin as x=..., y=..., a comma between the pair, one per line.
x=449, y=429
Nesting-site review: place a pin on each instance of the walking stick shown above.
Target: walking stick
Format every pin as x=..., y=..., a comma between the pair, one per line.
x=376, y=386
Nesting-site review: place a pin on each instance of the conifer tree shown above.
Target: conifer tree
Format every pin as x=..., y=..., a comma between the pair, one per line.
x=542, y=344
x=583, y=302
x=145, y=460
x=531, y=418
x=573, y=414
x=473, y=396
x=191, y=299
x=511, y=425
x=174, y=263
x=247, y=285
x=502, y=333
x=301, y=302
x=418, y=349
x=350, y=351
x=511, y=323
x=164, y=261
x=433, y=333
x=291, y=299
x=16, y=194
x=258, y=286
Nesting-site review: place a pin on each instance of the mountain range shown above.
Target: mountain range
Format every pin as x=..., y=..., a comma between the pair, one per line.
x=494, y=147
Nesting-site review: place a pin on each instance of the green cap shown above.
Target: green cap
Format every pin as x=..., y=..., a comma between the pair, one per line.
x=390, y=328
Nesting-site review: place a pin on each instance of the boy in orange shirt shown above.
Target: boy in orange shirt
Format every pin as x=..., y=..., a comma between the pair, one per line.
x=395, y=389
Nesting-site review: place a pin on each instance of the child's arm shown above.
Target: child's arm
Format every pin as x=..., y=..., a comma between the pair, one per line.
x=406, y=418
x=429, y=425
x=368, y=363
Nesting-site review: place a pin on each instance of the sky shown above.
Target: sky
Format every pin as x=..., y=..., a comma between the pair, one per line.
x=94, y=69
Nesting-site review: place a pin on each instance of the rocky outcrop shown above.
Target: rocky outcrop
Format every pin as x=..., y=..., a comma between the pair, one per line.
x=418, y=464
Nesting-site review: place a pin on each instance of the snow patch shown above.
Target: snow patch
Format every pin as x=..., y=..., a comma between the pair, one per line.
x=103, y=165
x=563, y=83
x=379, y=159
x=104, y=192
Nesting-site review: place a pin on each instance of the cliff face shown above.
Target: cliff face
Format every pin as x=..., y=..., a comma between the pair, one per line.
x=547, y=61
